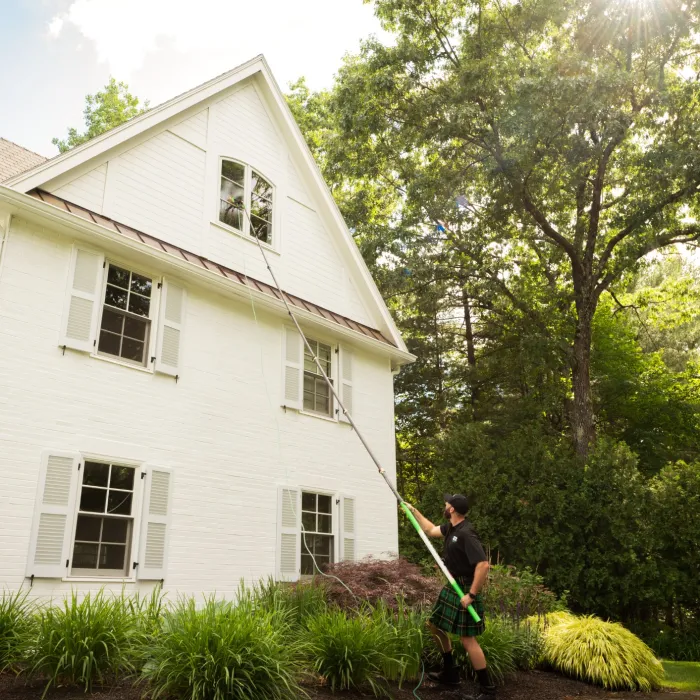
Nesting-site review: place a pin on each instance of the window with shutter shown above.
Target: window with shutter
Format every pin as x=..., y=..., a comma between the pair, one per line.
x=317, y=541
x=155, y=525
x=293, y=352
x=288, y=512
x=346, y=386
x=82, y=301
x=169, y=352
x=348, y=528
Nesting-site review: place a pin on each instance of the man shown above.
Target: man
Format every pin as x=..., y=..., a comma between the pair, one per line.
x=465, y=559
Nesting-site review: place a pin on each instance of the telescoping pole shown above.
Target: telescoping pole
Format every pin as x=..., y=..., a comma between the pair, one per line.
x=397, y=495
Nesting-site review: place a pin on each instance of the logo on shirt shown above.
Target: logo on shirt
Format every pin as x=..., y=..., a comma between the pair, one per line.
x=454, y=539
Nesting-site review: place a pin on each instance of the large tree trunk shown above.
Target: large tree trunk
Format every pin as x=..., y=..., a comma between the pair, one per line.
x=471, y=351
x=582, y=422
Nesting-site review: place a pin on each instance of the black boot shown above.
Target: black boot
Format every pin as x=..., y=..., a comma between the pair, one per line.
x=449, y=674
x=486, y=692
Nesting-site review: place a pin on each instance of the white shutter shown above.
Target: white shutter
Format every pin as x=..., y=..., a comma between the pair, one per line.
x=347, y=529
x=82, y=300
x=172, y=314
x=155, y=524
x=293, y=368
x=288, y=534
x=54, y=513
x=345, y=374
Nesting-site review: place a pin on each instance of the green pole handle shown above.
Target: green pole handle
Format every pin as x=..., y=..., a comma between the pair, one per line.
x=438, y=560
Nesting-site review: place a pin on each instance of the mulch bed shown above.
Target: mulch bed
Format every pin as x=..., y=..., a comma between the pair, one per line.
x=536, y=685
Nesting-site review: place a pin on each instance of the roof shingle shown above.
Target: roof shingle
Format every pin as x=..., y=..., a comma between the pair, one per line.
x=15, y=160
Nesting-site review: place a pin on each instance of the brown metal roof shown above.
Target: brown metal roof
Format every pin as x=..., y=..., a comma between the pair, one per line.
x=199, y=261
x=15, y=160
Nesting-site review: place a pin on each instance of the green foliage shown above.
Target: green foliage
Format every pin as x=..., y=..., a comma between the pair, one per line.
x=16, y=628
x=671, y=642
x=84, y=640
x=293, y=602
x=104, y=110
x=602, y=653
x=351, y=651
x=222, y=650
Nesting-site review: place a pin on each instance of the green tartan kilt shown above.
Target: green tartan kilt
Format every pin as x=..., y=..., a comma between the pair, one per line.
x=451, y=616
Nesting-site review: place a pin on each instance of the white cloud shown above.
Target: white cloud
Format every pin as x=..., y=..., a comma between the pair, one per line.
x=305, y=33
x=55, y=26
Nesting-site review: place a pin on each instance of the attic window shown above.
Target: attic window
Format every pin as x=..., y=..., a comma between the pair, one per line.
x=242, y=186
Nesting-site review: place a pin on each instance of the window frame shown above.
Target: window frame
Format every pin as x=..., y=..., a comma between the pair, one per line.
x=335, y=525
x=153, y=316
x=136, y=520
x=332, y=375
x=248, y=198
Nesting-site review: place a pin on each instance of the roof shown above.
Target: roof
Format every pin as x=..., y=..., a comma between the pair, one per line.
x=15, y=160
x=197, y=260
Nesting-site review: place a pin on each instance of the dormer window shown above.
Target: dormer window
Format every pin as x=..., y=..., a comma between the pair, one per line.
x=242, y=186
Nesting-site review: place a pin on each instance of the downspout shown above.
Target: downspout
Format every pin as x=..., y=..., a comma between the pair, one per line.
x=4, y=233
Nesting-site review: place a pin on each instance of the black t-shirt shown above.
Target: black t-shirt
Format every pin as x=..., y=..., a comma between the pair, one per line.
x=463, y=551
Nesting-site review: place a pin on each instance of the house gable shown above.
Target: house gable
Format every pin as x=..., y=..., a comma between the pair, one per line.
x=160, y=173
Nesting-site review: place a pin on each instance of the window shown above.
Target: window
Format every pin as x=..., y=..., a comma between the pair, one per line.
x=104, y=528
x=242, y=187
x=317, y=532
x=126, y=325
x=317, y=394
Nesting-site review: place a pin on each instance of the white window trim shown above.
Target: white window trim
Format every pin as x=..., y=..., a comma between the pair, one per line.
x=247, y=194
x=153, y=317
x=136, y=517
x=334, y=377
x=335, y=522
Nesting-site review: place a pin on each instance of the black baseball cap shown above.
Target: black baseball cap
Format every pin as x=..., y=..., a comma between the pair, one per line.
x=458, y=502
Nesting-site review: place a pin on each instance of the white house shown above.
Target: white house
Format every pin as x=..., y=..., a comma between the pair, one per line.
x=159, y=421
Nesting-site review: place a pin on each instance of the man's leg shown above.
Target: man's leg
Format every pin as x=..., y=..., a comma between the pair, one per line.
x=478, y=661
x=449, y=673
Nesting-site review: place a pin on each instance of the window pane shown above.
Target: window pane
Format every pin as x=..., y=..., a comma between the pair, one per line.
x=112, y=321
x=262, y=230
x=118, y=277
x=139, y=305
x=323, y=405
x=114, y=530
x=96, y=474
x=88, y=529
x=323, y=562
x=140, y=284
x=308, y=522
x=231, y=216
x=232, y=192
x=135, y=328
x=321, y=387
x=233, y=171
x=112, y=556
x=261, y=187
x=308, y=501
x=310, y=365
x=85, y=556
x=261, y=209
x=133, y=350
x=119, y=502
x=122, y=478
x=93, y=500
x=307, y=565
x=324, y=504
x=322, y=545
x=324, y=523
x=109, y=343
x=116, y=297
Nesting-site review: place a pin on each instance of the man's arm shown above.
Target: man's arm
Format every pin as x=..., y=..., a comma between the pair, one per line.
x=427, y=527
x=480, y=573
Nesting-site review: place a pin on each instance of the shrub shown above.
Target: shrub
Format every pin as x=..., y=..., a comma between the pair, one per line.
x=529, y=646
x=350, y=651
x=674, y=643
x=377, y=580
x=222, y=651
x=296, y=601
x=602, y=653
x=83, y=641
x=15, y=628
x=518, y=594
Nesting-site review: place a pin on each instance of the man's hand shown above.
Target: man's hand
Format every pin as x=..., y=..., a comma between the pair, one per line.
x=467, y=601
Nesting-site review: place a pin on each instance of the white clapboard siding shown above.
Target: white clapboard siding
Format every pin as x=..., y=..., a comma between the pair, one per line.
x=172, y=314
x=155, y=524
x=82, y=300
x=293, y=368
x=346, y=391
x=347, y=527
x=288, y=533
x=54, y=513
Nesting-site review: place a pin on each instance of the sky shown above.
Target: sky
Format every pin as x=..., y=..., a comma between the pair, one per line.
x=54, y=52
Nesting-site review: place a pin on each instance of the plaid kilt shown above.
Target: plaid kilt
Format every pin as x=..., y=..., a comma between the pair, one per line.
x=451, y=616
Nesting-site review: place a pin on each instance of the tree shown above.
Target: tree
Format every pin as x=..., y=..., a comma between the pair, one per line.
x=567, y=130
x=103, y=111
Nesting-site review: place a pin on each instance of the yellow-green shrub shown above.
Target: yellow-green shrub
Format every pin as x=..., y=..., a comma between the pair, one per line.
x=602, y=653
